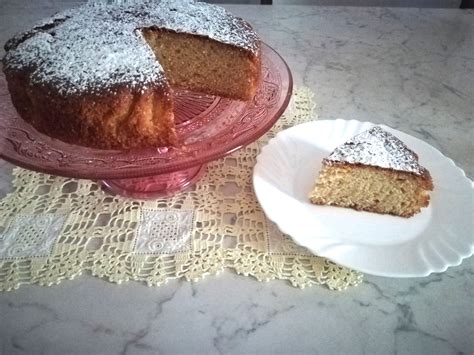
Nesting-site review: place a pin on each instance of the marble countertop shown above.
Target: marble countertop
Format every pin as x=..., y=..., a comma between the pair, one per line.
x=408, y=68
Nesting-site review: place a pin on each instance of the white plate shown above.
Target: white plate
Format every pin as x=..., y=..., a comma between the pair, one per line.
x=431, y=241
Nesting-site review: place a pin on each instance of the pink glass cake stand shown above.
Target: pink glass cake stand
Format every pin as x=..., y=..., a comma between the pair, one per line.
x=209, y=127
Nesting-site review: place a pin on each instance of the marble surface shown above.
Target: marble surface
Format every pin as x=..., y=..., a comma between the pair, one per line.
x=408, y=68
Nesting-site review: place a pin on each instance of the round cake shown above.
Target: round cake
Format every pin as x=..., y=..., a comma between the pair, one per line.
x=102, y=75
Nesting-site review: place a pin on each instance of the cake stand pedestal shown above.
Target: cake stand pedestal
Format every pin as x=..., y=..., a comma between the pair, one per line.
x=150, y=187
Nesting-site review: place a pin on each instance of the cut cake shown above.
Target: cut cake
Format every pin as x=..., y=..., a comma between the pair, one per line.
x=102, y=75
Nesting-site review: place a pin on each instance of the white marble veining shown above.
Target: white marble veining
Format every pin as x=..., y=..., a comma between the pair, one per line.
x=408, y=68
x=232, y=314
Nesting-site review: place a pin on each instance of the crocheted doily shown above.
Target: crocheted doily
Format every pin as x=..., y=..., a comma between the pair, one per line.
x=54, y=228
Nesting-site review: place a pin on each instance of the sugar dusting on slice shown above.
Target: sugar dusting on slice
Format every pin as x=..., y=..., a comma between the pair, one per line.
x=99, y=45
x=379, y=148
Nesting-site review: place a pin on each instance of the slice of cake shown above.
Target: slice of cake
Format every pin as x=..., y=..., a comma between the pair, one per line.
x=374, y=171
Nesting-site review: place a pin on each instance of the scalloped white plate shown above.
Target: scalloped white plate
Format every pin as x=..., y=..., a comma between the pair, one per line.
x=431, y=241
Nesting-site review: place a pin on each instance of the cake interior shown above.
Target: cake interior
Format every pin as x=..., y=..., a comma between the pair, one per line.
x=195, y=63
x=371, y=189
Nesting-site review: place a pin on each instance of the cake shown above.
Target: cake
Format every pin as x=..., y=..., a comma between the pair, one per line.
x=376, y=172
x=102, y=75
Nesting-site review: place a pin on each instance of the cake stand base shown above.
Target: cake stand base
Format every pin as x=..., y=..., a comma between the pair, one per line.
x=156, y=186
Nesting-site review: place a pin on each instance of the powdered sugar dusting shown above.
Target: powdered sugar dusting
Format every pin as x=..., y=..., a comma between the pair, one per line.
x=379, y=148
x=99, y=46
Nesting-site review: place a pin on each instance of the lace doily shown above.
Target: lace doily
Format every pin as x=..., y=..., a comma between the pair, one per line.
x=54, y=228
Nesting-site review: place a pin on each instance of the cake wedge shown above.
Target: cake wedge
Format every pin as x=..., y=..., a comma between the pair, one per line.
x=373, y=171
